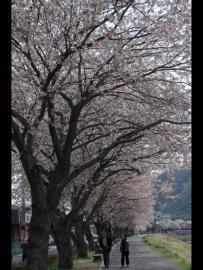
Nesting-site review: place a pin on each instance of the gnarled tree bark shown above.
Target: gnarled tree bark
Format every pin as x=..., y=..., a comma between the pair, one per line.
x=80, y=238
x=38, y=239
x=61, y=234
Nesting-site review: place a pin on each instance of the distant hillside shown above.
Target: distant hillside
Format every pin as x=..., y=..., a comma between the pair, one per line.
x=175, y=194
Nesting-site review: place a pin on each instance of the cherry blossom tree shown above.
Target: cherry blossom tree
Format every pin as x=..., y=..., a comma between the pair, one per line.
x=129, y=204
x=76, y=196
x=73, y=60
x=20, y=189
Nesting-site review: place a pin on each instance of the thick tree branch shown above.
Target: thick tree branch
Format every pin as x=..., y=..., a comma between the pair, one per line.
x=52, y=129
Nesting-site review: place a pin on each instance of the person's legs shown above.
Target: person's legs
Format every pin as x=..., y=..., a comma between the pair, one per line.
x=23, y=257
x=107, y=258
x=127, y=258
x=122, y=259
x=104, y=256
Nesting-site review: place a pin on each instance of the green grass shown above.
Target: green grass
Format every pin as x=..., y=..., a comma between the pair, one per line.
x=17, y=266
x=78, y=263
x=170, y=247
x=53, y=262
x=17, y=253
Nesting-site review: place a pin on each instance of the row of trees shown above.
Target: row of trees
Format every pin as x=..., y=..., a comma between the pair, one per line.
x=100, y=96
x=114, y=205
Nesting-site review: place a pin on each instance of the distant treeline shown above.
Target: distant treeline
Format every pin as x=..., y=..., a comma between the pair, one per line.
x=178, y=202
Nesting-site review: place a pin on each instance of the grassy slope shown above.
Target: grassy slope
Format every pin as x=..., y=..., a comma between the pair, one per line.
x=170, y=247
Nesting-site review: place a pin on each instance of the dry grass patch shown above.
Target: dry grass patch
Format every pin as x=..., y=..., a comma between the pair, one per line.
x=170, y=247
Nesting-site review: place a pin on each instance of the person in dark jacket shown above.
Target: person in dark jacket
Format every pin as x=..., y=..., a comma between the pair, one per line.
x=124, y=249
x=106, y=244
x=24, y=247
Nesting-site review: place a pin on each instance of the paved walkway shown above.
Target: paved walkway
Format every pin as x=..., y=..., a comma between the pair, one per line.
x=141, y=257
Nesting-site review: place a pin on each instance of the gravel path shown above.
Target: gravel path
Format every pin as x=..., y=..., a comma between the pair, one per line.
x=141, y=258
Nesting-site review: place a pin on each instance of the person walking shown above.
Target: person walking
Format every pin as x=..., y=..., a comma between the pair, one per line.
x=24, y=247
x=106, y=244
x=124, y=249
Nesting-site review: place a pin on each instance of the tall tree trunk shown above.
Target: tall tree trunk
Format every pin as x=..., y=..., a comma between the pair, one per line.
x=88, y=235
x=73, y=238
x=80, y=239
x=99, y=227
x=116, y=233
x=38, y=239
x=61, y=233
